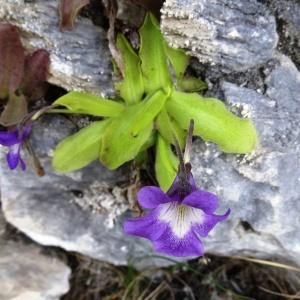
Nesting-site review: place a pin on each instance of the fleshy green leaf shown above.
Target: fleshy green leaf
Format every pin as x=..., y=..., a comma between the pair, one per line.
x=79, y=149
x=169, y=129
x=84, y=103
x=127, y=133
x=192, y=84
x=68, y=10
x=213, y=122
x=132, y=87
x=178, y=59
x=152, y=53
x=14, y=111
x=166, y=163
x=12, y=60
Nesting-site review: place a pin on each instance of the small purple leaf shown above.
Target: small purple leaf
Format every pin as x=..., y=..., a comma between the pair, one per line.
x=68, y=10
x=12, y=59
x=14, y=111
x=36, y=73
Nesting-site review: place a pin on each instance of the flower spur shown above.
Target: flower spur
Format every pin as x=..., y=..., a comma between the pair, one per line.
x=176, y=220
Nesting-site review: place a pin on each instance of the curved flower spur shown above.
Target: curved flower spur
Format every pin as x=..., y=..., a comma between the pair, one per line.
x=177, y=220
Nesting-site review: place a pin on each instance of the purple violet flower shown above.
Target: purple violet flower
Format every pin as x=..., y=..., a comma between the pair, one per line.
x=14, y=141
x=179, y=218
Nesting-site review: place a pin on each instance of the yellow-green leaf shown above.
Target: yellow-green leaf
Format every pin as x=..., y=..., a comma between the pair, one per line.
x=166, y=163
x=213, y=122
x=128, y=132
x=152, y=53
x=79, y=149
x=178, y=59
x=192, y=84
x=169, y=129
x=84, y=103
x=131, y=89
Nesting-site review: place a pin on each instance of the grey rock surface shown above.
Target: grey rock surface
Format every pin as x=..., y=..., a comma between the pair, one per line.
x=83, y=211
x=80, y=211
x=26, y=273
x=80, y=59
x=263, y=188
x=233, y=34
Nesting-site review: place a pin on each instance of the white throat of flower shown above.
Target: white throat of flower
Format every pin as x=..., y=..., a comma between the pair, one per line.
x=180, y=217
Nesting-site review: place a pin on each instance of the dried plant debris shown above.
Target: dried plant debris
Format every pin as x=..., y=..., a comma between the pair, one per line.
x=209, y=278
x=22, y=77
x=68, y=10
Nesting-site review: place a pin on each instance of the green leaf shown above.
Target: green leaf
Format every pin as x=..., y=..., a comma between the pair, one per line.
x=79, y=149
x=178, y=59
x=153, y=57
x=132, y=87
x=213, y=122
x=192, y=84
x=166, y=163
x=127, y=133
x=84, y=103
x=149, y=143
x=169, y=129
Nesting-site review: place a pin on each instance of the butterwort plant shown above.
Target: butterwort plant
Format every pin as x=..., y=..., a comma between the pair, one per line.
x=155, y=101
x=176, y=221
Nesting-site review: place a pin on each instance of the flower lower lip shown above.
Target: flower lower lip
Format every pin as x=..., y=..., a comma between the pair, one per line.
x=175, y=225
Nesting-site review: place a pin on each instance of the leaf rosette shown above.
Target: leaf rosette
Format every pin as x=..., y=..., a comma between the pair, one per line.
x=156, y=100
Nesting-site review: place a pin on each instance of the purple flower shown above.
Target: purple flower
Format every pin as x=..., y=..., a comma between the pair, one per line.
x=14, y=140
x=177, y=219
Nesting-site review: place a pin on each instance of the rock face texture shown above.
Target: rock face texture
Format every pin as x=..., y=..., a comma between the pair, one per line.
x=26, y=273
x=80, y=59
x=80, y=211
x=83, y=211
x=234, y=34
x=263, y=188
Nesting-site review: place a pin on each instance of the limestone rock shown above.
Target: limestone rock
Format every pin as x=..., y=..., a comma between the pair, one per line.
x=26, y=273
x=233, y=34
x=263, y=188
x=80, y=211
x=80, y=59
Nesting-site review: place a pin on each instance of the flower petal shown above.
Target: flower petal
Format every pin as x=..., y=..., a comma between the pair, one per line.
x=163, y=237
x=13, y=156
x=180, y=217
x=9, y=138
x=151, y=196
x=170, y=244
x=147, y=227
x=206, y=201
x=208, y=223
